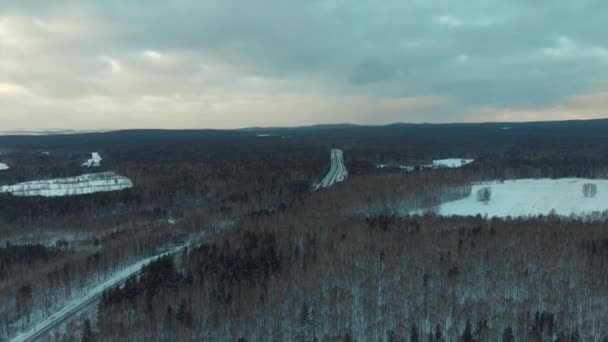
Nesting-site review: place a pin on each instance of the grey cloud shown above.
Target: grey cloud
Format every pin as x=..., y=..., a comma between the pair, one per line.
x=477, y=53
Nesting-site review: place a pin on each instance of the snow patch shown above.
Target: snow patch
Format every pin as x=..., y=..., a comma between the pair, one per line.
x=451, y=163
x=88, y=298
x=95, y=160
x=407, y=168
x=3, y=167
x=532, y=197
x=71, y=186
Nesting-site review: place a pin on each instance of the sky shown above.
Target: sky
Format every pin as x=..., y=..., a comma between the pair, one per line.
x=115, y=64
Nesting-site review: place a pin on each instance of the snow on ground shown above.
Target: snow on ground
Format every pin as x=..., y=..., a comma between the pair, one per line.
x=3, y=167
x=451, y=162
x=525, y=197
x=88, y=297
x=71, y=186
x=407, y=168
x=95, y=160
x=337, y=173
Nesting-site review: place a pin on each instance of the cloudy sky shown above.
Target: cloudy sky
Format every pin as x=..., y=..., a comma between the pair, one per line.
x=106, y=64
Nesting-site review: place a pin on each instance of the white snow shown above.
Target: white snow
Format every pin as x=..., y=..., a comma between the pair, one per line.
x=531, y=197
x=264, y=135
x=451, y=162
x=407, y=168
x=95, y=160
x=71, y=186
x=89, y=297
x=337, y=172
x=3, y=167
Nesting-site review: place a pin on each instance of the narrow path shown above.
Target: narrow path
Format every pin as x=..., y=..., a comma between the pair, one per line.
x=80, y=304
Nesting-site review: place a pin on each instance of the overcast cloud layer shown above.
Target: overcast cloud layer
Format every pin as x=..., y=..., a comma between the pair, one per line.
x=226, y=63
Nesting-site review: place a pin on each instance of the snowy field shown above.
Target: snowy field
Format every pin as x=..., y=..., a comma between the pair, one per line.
x=451, y=163
x=3, y=167
x=71, y=186
x=525, y=197
x=95, y=160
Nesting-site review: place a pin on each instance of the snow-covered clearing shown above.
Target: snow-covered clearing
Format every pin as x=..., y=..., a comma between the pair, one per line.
x=71, y=186
x=337, y=173
x=95, y=160
x=531, y=197
x=3, y=167
x=451, y=163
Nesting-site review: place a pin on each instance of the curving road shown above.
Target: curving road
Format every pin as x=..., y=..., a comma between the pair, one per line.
x=79, y=305
x=337, y=173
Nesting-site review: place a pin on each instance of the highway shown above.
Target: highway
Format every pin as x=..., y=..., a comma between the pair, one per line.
x=337, y=172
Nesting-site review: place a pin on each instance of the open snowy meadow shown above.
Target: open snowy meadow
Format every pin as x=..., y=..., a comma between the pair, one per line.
x=525, y=197
x=70, y=186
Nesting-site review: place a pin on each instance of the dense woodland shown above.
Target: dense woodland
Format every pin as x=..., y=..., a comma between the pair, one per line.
x=374, y=278
x=274, y=260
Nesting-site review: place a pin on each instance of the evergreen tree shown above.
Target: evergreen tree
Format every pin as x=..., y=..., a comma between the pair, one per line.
x=438, y=333
x=88, y=334
x=306, y=325
x=507, y=335
x=414, y=334
x=467, y=334
x=391, y=336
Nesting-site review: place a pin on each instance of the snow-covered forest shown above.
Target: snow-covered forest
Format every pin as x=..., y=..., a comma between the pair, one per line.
x=239, y=246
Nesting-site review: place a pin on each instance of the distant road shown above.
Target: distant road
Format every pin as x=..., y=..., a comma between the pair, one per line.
x=337, y=173
x=78, y=305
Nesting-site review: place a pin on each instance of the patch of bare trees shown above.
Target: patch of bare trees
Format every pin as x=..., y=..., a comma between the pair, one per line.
x=589, y=190
x=484, y=194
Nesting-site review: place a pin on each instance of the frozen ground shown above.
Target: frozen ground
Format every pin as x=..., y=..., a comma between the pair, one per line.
x=451, y=163
x=524, y=197
x=402, y=167
x=3, y=167
x=71, y=186
x=95, y=160
x=39, y=329
x=337, y=173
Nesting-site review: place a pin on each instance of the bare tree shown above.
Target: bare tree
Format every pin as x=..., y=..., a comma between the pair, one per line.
x=589, y=190
x=484, y=194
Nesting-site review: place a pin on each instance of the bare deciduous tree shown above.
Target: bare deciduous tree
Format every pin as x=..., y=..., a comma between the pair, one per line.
x=589, y=190
x=484, y=194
